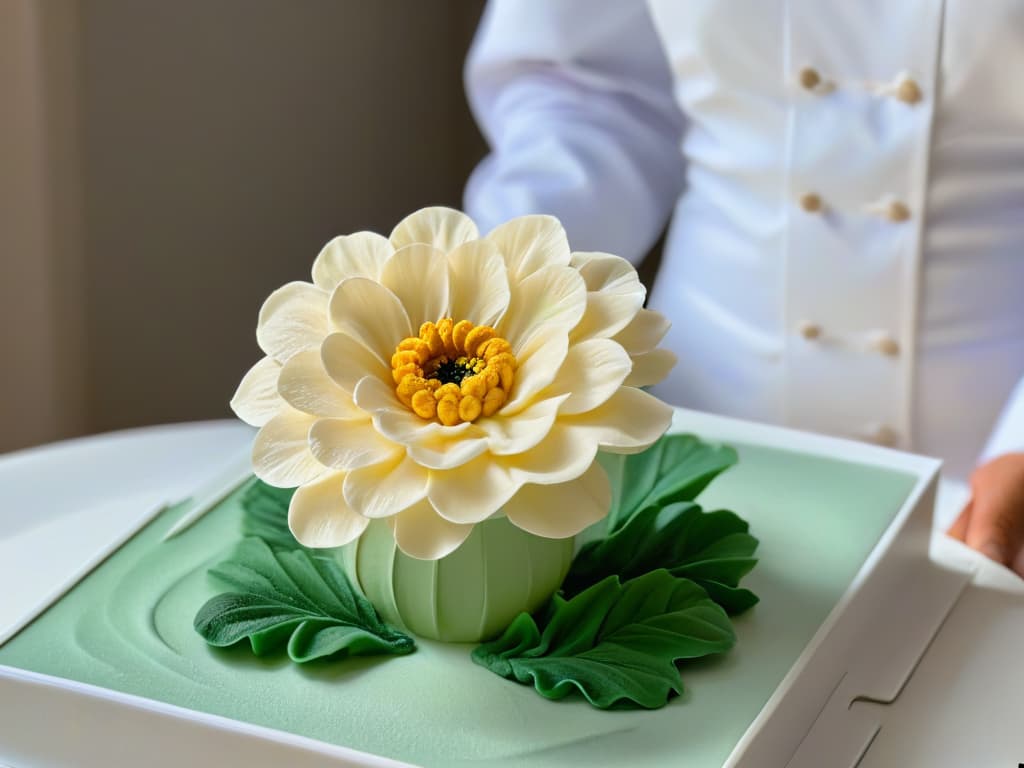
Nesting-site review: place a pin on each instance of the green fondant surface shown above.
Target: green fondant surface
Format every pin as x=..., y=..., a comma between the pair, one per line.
x=128, y=626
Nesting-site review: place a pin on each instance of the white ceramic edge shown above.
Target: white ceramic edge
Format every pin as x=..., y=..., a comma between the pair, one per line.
x=215, y=491
x=924, y=468
x=128, y=435
x=51, y=597
x=81, y=692
x=755, y=730
x=74, y=696
x=728, y=430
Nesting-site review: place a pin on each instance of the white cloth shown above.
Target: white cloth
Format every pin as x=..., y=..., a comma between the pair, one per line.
x=903, y=120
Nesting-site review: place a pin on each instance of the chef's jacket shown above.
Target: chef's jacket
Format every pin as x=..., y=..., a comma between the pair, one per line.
x=846, y=186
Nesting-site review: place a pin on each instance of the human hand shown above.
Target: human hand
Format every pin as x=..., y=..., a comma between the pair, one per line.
x=993, y=520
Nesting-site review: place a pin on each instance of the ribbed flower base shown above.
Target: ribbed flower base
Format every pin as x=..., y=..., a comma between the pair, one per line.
x=468, y=596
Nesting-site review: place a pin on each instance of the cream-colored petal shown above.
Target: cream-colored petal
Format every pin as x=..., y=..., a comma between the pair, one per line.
x=433, y=445
x=383, y=489
x=292, y=319
x=256, y=400
x=536, y=371
x=630, y=421
x=604, y=271
x=530, y=243
x=443, y=228
x=347, y=360
x=644, y=332
x=606, y=315
x=562, y=456
x=305, y=385
x=361, y=254
x=614, y=294
x=558, y=511
x=428, y=443
x=422, y=533
x=650, y=368
x=472, y=492
x=376, y=395
x=318, y=515
x=593, y=370
x=550, y=300
x=511, y=435
x=418, y=275
x=349, y=443
x=281, y=455
x=478, y=283
x=370, y=314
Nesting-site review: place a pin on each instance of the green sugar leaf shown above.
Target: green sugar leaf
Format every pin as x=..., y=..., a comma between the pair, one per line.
x=676, y=468
x=293, y=599
x=713, y=549
x=266, y=514
x=615, y=643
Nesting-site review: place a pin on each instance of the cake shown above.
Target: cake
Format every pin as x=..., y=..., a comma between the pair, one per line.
x=432, y=408
x=472, y=537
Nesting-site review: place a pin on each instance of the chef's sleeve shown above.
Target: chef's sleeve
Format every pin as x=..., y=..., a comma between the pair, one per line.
x=1008, y=436
x=575, y=100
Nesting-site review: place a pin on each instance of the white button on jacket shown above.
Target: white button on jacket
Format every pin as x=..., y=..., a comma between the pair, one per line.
x=855, y=168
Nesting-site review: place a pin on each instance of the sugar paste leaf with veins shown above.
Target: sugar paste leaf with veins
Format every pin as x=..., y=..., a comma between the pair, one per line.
x=714, y=549
x=266, y=514
x=676, y=468
x=292, y=599
x=614, y=642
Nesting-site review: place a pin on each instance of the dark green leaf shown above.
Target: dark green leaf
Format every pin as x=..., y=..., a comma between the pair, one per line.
x=266, y=514
x=676, y=468
x=713, y=549
x=735, y=600
x=293, y=598
x=614, y=642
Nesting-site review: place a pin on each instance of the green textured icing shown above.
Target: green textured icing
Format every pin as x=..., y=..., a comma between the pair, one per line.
x=128, y=626
x=468, y=596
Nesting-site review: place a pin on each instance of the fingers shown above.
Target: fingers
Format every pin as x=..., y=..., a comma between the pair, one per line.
x=995, y=523
x=958, y=530
x=992, y=528
x=1018, y=563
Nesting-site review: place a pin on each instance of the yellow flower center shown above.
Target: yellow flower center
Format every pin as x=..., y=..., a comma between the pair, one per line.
x=453, y=372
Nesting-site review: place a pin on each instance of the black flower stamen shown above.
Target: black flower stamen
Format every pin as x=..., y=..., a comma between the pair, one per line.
x=452, y=371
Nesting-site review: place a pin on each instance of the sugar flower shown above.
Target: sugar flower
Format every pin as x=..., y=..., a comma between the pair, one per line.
x=436, y=378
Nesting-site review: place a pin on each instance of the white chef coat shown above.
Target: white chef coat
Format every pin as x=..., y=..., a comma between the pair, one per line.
x=847, y=247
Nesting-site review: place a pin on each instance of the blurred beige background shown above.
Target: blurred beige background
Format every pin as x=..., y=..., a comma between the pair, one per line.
x=165, y=165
